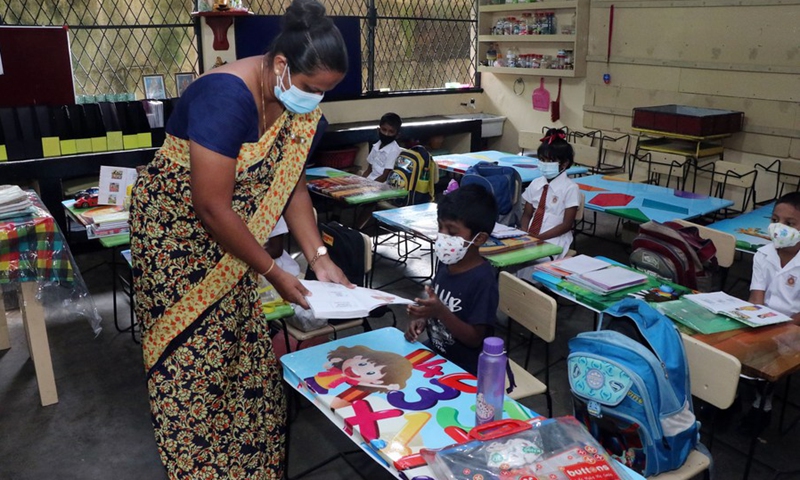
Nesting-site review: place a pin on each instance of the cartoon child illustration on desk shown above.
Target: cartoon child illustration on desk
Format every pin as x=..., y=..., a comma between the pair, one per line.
x=364, y=369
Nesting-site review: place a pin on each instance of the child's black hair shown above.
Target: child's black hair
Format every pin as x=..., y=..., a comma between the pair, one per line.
x=792, y=199
x=392, y=119
x=555, y=147
x=471, y=204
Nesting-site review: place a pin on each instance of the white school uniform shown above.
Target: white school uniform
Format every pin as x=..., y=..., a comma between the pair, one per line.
x=781, y=286
x=562, y=194
x=382, y=158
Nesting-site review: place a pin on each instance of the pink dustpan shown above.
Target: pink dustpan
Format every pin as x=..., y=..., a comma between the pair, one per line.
x=541, y=98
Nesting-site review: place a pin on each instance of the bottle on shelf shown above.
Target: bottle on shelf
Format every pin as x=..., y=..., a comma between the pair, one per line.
x=491, y=381
x=511, y=57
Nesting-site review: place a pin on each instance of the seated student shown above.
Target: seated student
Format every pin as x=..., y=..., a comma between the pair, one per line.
x=385, y=151
x=460, y=310
x=776, y=284
x=380, y=161
x=552, y=200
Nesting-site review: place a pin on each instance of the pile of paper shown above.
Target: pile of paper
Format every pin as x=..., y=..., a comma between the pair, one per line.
x=608, y=280
x=504, y=231
x=14, y=201
x=593, y=274
x=577, y=265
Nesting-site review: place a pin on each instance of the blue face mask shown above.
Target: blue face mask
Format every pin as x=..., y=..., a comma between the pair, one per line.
x=550, y=170
x=294, y=99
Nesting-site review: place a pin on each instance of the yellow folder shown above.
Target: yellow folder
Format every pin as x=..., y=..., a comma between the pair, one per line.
x=51, y=146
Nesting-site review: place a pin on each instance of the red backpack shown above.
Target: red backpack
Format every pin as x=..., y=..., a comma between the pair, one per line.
x=676, y=253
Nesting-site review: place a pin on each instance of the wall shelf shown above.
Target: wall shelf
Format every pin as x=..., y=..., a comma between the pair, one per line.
x=538, y=72
x=565, y=12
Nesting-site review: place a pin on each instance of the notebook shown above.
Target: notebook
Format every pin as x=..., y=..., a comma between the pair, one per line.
x=748, y=313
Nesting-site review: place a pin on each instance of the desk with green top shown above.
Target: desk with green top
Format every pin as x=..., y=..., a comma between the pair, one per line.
x=420, y=222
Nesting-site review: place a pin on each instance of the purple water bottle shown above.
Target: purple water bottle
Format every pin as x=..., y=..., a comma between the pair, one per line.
x=491, y=381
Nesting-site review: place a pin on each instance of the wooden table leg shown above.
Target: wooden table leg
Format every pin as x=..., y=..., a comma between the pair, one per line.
x=33, y=318
x=4, y=342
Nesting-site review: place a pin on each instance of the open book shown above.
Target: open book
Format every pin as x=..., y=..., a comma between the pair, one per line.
x=748, y=313
x=334, y=301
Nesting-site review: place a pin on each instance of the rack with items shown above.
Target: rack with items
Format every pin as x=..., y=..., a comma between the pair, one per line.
x=542, y=38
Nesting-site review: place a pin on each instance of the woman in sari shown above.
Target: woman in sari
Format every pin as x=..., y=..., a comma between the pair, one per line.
x=201, y=212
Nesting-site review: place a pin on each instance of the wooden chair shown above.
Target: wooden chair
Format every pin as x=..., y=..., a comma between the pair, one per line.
x=788, y=178
x=715, y=377
x=658, y=169
x=726, y=177
x=535, y=311
x=334, y=329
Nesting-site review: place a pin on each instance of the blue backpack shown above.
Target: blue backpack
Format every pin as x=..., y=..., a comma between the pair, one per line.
x=630, y=388
x=502, y=181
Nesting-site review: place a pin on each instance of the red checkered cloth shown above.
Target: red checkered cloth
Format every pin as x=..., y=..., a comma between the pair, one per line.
x=32, y=248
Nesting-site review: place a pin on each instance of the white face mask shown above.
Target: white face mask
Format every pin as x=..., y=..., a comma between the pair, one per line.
x=450, y=249
x=783, y=236
x=549, y=170
x=294, y=99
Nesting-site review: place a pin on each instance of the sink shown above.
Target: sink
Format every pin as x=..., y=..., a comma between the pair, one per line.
x=491, y=125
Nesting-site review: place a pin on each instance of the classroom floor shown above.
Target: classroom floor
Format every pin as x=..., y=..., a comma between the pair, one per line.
x=100, y=429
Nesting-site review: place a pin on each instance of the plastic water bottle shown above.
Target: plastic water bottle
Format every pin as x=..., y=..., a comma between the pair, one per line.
x=491, y=381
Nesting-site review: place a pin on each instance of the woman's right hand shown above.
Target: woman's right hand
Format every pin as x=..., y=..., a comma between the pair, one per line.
x=289, y=287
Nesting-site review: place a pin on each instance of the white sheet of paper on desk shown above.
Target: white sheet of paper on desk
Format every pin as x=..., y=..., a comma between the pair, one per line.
x=581, y=264
x=504, y=231
x=114, y=182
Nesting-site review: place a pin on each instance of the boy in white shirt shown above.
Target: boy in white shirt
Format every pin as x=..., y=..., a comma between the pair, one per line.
x=776, y=284
x=386, y=150
x=552, y=200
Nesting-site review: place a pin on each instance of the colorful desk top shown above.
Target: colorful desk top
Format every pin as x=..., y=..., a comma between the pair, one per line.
x=643, y=202
x=32, y=248
x=349, y=188
x=528, y=167
x=420, y=220
x=419, y=399
x=750, y=229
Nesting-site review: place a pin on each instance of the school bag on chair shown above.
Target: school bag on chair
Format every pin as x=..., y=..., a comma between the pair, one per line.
x=676, y=253
x=414, y=171
x=503, y=182
x=630, y=388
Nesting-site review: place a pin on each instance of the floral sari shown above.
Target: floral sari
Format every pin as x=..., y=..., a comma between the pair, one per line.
x=216, y=397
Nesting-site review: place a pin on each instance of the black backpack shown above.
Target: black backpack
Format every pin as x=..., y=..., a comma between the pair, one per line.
x=346, y=249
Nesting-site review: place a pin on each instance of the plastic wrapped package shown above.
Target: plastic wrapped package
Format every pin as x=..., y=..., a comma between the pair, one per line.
x=555, y=449
x=33, y=249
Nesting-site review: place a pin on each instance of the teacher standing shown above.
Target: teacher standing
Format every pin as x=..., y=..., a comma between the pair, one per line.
x=231, y=164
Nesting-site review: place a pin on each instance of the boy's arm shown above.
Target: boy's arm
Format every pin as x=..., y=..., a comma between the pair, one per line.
x=563, y=227
x=431, y=307
x=367, y=171
x=757, y=297
x=382, y=178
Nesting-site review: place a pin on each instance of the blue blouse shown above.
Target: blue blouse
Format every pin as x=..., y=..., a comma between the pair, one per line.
x=217, y=111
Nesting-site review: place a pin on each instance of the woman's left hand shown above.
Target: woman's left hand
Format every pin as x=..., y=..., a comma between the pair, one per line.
x=327, y=271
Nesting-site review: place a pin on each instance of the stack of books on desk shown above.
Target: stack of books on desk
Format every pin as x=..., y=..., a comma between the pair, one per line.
x=595, y=275
x=101, y=221
x=14, y=202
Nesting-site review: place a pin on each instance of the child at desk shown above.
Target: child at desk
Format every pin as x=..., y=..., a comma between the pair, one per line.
x=380, y=161
x=460, y=310
x=552, y=200
x=776, y=273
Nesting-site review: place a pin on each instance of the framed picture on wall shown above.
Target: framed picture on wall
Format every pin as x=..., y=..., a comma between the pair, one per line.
x=154, y=87
x=182, y=81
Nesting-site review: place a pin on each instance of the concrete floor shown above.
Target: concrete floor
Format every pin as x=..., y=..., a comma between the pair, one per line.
x=100, y=429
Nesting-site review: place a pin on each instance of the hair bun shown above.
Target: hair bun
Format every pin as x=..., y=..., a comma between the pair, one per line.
x=303, y=15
